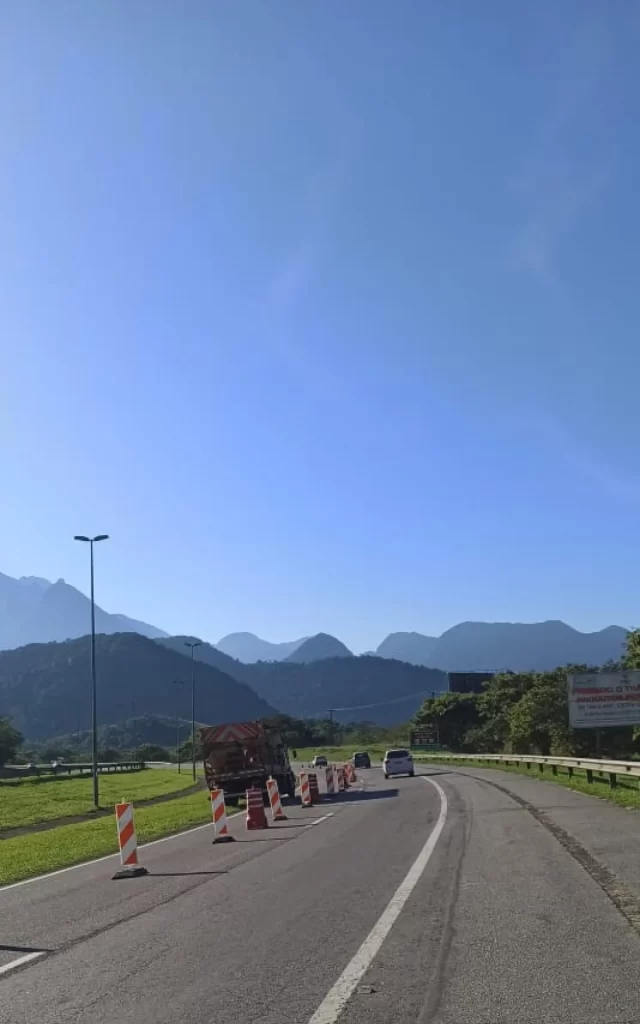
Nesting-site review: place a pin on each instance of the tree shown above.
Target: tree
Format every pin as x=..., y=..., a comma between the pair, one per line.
x=452, y=715
x=632, y=649
x=10, y=740
x=539, y=721
x=152, y=752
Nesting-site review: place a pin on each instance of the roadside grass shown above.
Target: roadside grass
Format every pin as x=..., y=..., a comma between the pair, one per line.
x=626, y=794
x=37, y=853
x=33, y=800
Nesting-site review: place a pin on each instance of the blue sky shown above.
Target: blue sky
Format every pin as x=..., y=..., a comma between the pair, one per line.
x=326, y=312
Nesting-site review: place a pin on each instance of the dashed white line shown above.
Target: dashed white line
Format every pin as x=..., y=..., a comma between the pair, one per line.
x=318, y=820
x=13, y=964
x=338, y=996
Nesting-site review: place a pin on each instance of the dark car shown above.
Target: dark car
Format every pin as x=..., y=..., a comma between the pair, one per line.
x=361, y=760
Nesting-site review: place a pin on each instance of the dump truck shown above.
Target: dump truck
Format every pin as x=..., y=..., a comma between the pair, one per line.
x=239, y=755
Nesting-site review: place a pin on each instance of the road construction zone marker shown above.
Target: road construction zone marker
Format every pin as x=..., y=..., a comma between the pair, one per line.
x=331, y=780
x=256, y=818
x=305, y=792
x=351, y=772
x=274, y=799
x=220, y=820
x=128, y=843
x=341, y=780
x=314, y=789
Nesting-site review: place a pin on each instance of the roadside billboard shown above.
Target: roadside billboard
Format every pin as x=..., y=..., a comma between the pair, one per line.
x=598, y=699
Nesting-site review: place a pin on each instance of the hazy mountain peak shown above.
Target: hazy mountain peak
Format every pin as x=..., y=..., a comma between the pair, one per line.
x=416, y=648
x=34, y=610
x=248, y=647
x=34, y=581
x=318, y=647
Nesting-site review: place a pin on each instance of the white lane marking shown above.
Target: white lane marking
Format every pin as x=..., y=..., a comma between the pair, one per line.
x=338, y=996
x=110, y=856
x=318, y=820
x=11, y=966
x=99, y=860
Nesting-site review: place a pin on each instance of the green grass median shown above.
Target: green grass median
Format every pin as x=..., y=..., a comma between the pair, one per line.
x=626, y=794
x=33, y=800
x=36, y=853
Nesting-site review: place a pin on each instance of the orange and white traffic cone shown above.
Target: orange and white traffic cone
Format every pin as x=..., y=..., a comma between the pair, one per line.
x=128, y=843
x=341, y=780
x=256, y=818
x=274, y=799
x=331, y=781
x=305, y=792
x=220, y=820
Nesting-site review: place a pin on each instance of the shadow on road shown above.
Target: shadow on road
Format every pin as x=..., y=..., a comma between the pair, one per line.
x=266, y=836
x=357, y=795
x=182, y=874
x=24, y=949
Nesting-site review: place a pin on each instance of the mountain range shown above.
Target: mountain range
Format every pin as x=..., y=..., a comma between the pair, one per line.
x=34, y=610
x=46, y=690
x=469, y=646
x=44, y=670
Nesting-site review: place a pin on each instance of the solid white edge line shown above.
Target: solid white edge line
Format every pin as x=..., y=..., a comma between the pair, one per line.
x=99, y=860
x=110, y=856
x=11, y=966
x=338, y=996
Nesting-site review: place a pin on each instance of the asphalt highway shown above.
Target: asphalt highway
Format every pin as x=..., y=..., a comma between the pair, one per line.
x=438, y=900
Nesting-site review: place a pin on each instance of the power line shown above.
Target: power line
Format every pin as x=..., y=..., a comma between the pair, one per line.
x=378, y=704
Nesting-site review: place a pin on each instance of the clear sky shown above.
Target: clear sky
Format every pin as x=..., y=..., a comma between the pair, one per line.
x=326, y=311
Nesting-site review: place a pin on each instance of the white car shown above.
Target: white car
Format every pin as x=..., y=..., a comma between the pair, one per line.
x=398, y=762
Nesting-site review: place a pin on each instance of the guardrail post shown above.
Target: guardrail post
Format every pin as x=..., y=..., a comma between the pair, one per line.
x=589, y=772
x=554, y=769
x=541, y=767
x=570, y=770
x=613, y=780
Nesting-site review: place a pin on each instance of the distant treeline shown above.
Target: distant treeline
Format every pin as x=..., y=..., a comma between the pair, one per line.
x=528, y=712
x=153, y=738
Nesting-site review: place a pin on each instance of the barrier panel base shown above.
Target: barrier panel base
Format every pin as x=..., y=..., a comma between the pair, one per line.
x=133, y=872
x=223, y=839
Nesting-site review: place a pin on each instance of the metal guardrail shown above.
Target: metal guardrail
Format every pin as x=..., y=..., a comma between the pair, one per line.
x=104, y=767
x=589, y=765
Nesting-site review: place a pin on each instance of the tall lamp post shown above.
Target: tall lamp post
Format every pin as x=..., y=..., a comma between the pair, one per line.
x=193, y=644
x=178, y=683
x=94, y=719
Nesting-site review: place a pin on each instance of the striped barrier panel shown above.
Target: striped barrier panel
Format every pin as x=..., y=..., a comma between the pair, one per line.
x=221, y=833
x=274, y=800
x=305, y=791
x=128, y=843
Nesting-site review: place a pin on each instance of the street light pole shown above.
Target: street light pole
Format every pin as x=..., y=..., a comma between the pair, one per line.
x=94, y=711
x=193, y=645
x=178, y=683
